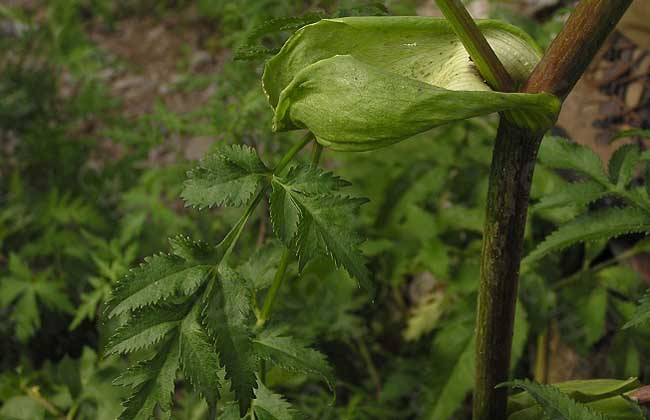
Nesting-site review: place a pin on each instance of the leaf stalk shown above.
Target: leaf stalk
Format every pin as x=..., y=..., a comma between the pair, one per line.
x=486, y=60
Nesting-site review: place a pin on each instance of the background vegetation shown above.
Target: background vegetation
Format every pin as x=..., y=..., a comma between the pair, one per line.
x=94, y=148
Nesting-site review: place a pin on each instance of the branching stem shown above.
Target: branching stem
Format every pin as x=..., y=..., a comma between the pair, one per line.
x=511, y=172
x=228, y=243
x=486, y=60
x=285, y=259
x=269, y=300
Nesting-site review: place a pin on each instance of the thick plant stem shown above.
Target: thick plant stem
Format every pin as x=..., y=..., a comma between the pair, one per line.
x=513, y=161
x=511, y=173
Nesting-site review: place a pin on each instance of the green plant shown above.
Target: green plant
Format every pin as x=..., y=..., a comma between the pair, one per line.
x=191, y=305
x=79, y=221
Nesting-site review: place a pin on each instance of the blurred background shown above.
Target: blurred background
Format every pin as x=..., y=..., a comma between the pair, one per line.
x=104, y=106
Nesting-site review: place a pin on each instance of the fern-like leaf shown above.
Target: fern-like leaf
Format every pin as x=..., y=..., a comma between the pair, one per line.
x=156, y=390
x=600, y=224
x=622, y=163
x=642, y=314
x=576, y=194
x=226, y=317
x=159, y=278
x=260, y=268
x=229, y=411
x=146, y=328
x=291, y=354
x=270, y=406
x=560, y=153
x=312, y=219
x=555, y=404
x=312, y=180
x=191, y=250
x=199, y=361
x=227, y=177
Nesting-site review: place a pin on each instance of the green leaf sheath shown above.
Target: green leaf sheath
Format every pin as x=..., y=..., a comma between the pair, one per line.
x=365, y=82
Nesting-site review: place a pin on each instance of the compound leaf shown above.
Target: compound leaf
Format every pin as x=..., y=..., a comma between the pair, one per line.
x=159, y=278
x=226, y=317
x=555, y=404
x=199, y=361
x=227, y=177
x=642, y=314
x=560, y=153
x=599, y=224
x=191, y=250
x=156, y=390
x=270, y=406
x=291, y=354
x=622, y=164
x=146, y=328
x=575, y=194
x=314, y=222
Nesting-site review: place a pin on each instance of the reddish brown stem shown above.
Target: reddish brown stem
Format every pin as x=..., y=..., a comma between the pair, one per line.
x=511, y=173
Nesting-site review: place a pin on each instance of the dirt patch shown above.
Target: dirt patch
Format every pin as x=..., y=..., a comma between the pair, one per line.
x=154, y=56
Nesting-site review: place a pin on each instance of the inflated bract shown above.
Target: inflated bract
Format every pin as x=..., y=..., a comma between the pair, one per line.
x=360, y=83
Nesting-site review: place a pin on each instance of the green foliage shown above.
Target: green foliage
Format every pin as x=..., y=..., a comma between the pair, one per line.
x=555, y=404
x=28, y=292
x=560, y=153
x=290, y=354
x=251, y=50
x=146, y=328
x=270, y=406
x=600, y=224
x=591, y=226
x=199, y=361
x=226, y=315
x=87, y=191
x=228, y=176
x=155, y=384
x=160, y=277
x=642, y=314
x=313, y=219
x=598, y=399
